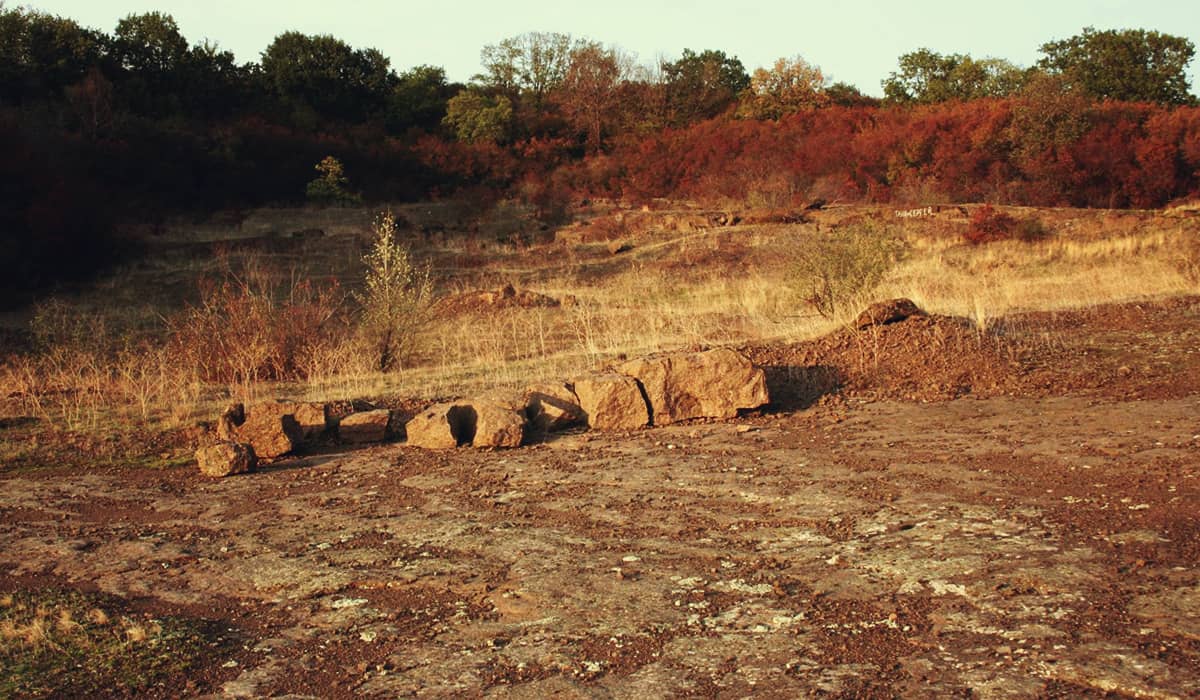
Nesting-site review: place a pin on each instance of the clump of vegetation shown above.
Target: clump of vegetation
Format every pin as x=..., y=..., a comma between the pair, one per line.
x=988, y=225
x=839, y=270
x=1188, y=260
x=396, y=298
x=252, y=327
x=57, y=643
x=331, y=186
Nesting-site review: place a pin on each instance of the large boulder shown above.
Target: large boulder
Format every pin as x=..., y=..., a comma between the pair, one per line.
x=552, y=407
x=496, y=425
x=884, y=312
x=711, y=384
x=612, y=401
x=226, y=459
x=311, y=417
x=271, y=433
x=482, y=423
x=439, y=427
x=365, y=426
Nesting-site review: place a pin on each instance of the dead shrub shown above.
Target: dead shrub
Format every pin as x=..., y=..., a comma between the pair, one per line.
x=1188, y=259
x=249, y=328
x=838, y=270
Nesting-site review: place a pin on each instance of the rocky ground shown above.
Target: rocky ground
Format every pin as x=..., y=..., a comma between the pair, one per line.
x=925, y=511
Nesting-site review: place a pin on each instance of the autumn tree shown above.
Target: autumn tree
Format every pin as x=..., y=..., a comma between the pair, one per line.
x=702, y=85
x=589, y=95
x=1128, y=64
x=791, y=85
x=925, y=76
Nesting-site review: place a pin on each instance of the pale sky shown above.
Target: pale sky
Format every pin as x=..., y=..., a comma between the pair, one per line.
x=857, y=42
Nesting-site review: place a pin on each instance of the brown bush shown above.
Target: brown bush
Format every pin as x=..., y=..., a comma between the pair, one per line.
x=247, y=330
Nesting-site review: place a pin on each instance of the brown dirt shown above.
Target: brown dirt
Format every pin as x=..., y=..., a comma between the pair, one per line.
x=926, y=511
x=485, y=302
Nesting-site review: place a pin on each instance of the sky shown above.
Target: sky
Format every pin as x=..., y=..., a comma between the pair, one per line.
x=857, y=42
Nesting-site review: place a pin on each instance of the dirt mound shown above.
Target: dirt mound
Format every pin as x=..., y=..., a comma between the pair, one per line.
x=921, y=358
x=507, y=297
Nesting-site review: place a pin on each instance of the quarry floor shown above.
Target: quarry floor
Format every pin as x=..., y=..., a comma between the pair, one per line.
x=992, y=546
x=997, y=547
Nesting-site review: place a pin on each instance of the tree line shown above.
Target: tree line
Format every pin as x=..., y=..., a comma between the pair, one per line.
x=141, y=122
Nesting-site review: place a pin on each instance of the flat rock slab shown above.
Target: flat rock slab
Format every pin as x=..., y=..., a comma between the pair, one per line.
x=983, y=548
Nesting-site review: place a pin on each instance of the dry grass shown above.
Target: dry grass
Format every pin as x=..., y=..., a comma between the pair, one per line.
x=57, y=643
x=672, y=290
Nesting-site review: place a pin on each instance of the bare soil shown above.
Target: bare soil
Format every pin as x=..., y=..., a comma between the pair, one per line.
x=927, y=510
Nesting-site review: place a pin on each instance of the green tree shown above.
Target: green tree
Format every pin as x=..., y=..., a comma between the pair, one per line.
x=702, y=85
x=791, y=85
x=149, y=45
x=331, y=186
x=926, y=77
x=847, y=95
x=216, y=85
x=41, y=54
x=1048, y=113
x=395, y=299
x=1127, y=64
x=327, y=76
x=528, y=67
x=475, y=117
x=418, y=101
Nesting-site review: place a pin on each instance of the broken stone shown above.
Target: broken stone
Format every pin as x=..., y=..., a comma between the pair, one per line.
x=479, y=423
x=311, y=417
x=612, y=401
x=366, y=426
x=497, y=426
x=271, y=433
x=552, y=407
x=437, y=427
x=233, y=416
x=711, y=384
x=226, y=459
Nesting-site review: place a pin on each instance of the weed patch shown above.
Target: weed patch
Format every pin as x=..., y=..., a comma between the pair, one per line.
x=56, y=643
